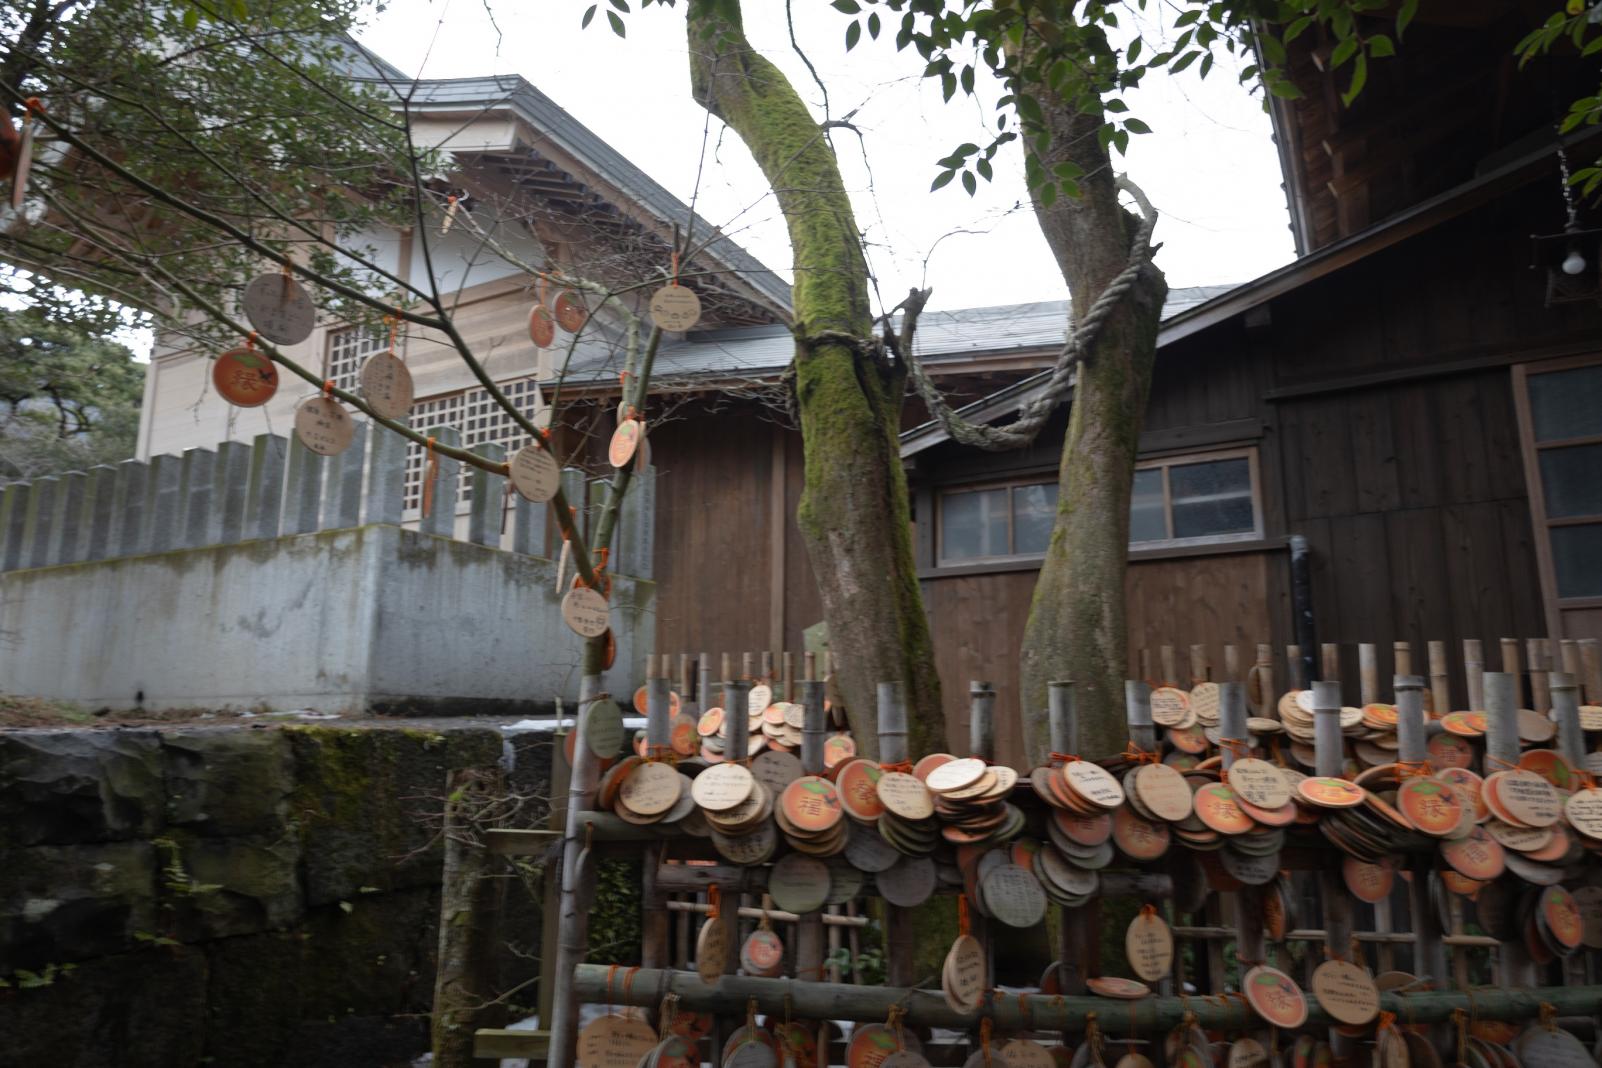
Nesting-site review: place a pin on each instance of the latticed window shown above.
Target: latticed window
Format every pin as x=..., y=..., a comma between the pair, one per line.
x=479, y=419
x=348, y=349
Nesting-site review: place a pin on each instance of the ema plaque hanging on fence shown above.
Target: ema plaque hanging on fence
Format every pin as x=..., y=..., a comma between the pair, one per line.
x=244, y=377
x=387, y=385
x=279, y=308
x=323, y=426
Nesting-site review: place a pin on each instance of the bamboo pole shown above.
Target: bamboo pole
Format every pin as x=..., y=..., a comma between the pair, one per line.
x=1249, y=942
x=1330, y=759
x=1440, y=679
x=1071, y=975
x=1199, y=670
x=695, y=878
x=1429, y=956
x=573, y=916
x=689, y=698
x=1264, y=670
x=654, y=926
x=1474, y=674
x=600, y=983
x=701, y=908
x=898, y=937
x=1501, y=752
x=809, y=935
x=1330, y=661
x=982, y=744
x=1402, y=658
x=1295, y=667
x=1510, y=665
x=1570, y=651
x=1566, y=713
x=1170, y=664
x=1367, y=673
x=1535, y=655
x=737, y=748
x=1591, y=669
x=789, y=676
x=1232, y=662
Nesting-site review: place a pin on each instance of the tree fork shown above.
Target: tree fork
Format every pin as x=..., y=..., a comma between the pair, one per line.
x=854, y=514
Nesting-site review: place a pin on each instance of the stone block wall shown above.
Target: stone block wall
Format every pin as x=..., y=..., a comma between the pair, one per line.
x=229, y=896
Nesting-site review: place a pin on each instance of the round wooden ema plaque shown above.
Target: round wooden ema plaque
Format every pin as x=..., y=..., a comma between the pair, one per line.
x=1554, y=1048
x=1170, y=707
x=1216, y=808
x=603, y=728
x=1022, y=1053
x=615, y=1041
x=1013, y=896
x=955, y=775
x=1163, y=791
x=908, y=882
x=905, y=796
x=1259, y=782
x=858, y=783
x=387, y=385
x=763, y=953
x=279, y=308
x=1584, y=810
x=1368, y=882
x=1093, y=783
x=535, y=473
x=1247, y=1053
x=723, y=787
x=1204, y=702
x=1476, y=856
x=867, y=851
x=1275, y=997
x=1113, y=986
x=963, y=978
x=1149, y=946
x=811, y=804
x=1433, y=806
x=324, y=426
x=675, y=308
x=799, y=883
x=1346, y=992
x=625, y=442
x=651, y=789
x=1560, y=916
x=1450, y=751
x=711, y=949
x=585, y=612
x=244, y=377
x=872, y=1045
x=1326, y=792
x=541, y=326
x=1525, y=796
x=752, y=1053
x=571, y=314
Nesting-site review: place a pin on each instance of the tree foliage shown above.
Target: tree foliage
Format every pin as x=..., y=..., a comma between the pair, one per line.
x=66, y=401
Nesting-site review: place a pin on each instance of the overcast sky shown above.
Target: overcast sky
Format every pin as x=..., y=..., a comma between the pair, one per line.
x=1209, y=166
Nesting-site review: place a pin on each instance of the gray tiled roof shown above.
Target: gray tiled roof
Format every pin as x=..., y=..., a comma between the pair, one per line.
x=964, y=333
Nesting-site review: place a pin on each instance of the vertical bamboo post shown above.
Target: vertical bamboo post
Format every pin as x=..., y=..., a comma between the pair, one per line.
x=1232, y=662
x=1198, y=665
x=982, y=744
x=1570, y=651
x=747, y=665
x=767, y=666
x=1429, y=952
x=1137, y=709
x=1264, y=670
x=789, y=677
x=1367, y=673
x=1330, y=760
x=573, y=914
x=1145, y=664
x=737, y=747
x=1502, y=752
x=1170, y=665
x=1566, y=713
x=1510, y=665
x=1591, y=669
x=725, y=669
x=1296, y=667
x=1535, y=659
x=654, y=925
x=898, y=935
x=1402, y=658
x=1249, y=944
x=1474, y=674
x=1330, y=661
x=809, y=666
x=703, y=681
x=1440, y=679
x=1071, y=964
x=809, y=932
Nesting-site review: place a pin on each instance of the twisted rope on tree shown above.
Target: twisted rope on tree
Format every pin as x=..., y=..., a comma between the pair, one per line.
x=1076, y=350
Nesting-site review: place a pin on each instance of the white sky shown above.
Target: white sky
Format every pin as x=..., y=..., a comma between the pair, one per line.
x=1210, y=167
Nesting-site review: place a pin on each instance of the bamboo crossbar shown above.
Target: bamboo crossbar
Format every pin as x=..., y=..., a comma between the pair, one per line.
x=647, y=987
x=751, y=912
x=1224, y=934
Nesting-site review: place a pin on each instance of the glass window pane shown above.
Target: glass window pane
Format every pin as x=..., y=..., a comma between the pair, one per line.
x=1572, y=479
x=1146, y=522
x=1034, y=509
x=1566, y=404
x=1577, y=559
x=1212, y=498
x=973, y=524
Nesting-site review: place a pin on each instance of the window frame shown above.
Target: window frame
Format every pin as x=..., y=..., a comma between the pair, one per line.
x=369, y=341
x=1207, y=544
x=1535, y=487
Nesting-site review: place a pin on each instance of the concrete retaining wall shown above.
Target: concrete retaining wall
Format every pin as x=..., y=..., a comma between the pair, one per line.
x=373, y=618
x=231, y=896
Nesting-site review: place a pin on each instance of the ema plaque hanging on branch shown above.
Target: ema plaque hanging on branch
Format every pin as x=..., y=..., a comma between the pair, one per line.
x=386, y=381
x=279, y=308
x=323, y=425
x=245, y=377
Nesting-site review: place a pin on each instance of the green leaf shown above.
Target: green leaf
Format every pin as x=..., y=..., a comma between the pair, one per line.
x=1344, y=50
x=1380, y=46
x=873, y=25
x=853, y=35
x=1359, y=79
x=967, y=79
x=1184, y=61
x=1048, y=195
x=1404, y=17
x=1206, y=64
x=942, y=179
x=984, y=169
x=588, y=15
x=969, y=182
x=1136, y=126
x=1294, y=30
x=191, y=17
x=1133, y=52
x=621, y=5
x=849, y=7
x=1116, y=106
x=617, y=24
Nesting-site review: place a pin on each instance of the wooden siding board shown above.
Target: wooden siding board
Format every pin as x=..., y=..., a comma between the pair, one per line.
x=1460, y=430
x=1420, y=607
x=1375, y=482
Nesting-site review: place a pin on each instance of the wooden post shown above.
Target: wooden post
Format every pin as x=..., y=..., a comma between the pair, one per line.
x=1440, y=679
x=982, y=744
x=809, y=932
x=1264, y=670
x=1367, y=673
x=898, y=935
x=1591, y=669
x=789, y=676
x=1570, y=651
x=577, y=866
x=1402, y=658
x=1330, y=666
x=809, y=662
x=767, y=666
x=1249, y=943
x=1510, y=664
x=737, y=746
x=689, y=699
x=1535, y=656
x=469, y=906
x=1232, y=662
x=1170, y=666
x=1501, y=752
x=1296, y=667
x=1137, y=708
x=1198, y=665
x=1474, y=674
x=1429, y=953
x=1330, y=760
x=1566, y=713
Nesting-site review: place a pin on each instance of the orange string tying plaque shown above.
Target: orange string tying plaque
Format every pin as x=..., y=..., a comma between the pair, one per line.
x=675, y=266
x=902, y=766
x=714, y=901
x=328, y=388
x=1411, y=768
x=1493, y=759
x=964, y=919
x=430, y=472
x=985, y=1027
x=892, y=1023
x=1386, y=1020
x=1059, y=759
x=250, y=340
x=1137, y=754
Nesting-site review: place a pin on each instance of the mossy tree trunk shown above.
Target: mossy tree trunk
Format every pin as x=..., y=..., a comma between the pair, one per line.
x=1076, y=627
x=469, y=910
x=854, y=513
